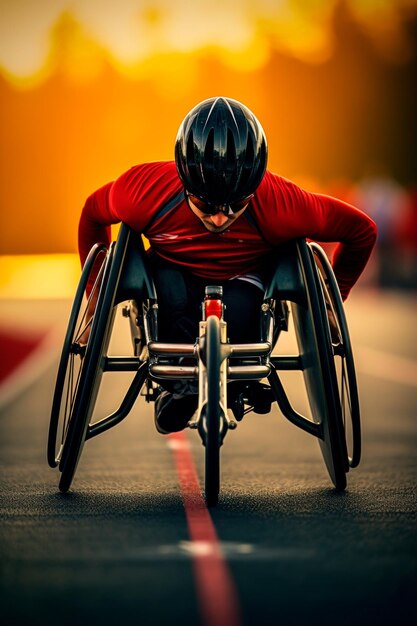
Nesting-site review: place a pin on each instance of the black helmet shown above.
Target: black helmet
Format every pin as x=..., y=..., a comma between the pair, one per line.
x=221, y=151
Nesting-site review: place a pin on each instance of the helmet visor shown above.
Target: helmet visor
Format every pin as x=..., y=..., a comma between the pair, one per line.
x=212, y=209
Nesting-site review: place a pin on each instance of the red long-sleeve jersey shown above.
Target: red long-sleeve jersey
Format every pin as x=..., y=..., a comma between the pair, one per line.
x=279, y=211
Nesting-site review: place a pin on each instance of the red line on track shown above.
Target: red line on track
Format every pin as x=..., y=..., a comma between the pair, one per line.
x=15, y=348
x=216, y=591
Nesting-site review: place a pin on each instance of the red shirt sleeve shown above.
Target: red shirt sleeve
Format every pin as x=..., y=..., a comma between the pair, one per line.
x=95, y=221
x=293, y=212
x=356, y=233
x=133, y=198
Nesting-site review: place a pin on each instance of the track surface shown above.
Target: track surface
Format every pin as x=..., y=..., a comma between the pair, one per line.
x=132, y=543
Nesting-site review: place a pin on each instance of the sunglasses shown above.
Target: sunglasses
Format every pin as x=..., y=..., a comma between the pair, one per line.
x=212, y=209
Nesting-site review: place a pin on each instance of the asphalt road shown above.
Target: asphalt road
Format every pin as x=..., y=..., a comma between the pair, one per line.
x=117, y=547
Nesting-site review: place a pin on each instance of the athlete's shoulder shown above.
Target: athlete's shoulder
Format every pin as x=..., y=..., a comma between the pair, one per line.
x=147, y=178
x=272, y=181
x=154, y=166
x=137, y=194
x=150, y=170
x=275, y=191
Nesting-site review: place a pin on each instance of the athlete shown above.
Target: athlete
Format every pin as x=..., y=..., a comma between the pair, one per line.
x=214, y=216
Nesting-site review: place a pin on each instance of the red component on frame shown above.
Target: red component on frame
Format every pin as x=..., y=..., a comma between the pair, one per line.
x=213, y=307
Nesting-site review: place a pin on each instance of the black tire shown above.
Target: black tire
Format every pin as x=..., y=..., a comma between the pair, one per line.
x=314, y=340
x=71, y=362
x=343, y=359
x=213, y=436
x=91, y=374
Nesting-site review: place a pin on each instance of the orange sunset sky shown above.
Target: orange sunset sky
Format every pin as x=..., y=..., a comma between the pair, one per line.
x=88, y=89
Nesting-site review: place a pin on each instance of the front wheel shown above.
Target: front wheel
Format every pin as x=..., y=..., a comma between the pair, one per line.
x=212, y=409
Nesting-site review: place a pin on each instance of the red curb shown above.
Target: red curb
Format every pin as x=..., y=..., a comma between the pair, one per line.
x=15, y=348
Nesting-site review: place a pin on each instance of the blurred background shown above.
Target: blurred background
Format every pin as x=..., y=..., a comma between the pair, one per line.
x=88, y=89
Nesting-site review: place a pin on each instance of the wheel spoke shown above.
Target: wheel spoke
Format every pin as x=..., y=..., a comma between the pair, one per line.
x=68, y=398
x=81, y=329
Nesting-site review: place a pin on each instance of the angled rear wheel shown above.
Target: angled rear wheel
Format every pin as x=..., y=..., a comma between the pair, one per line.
x=342, y=356
x=314, y=340
x=72, y=357
x=91, y=372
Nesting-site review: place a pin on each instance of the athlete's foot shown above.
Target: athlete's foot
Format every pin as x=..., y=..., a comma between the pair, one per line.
x=172, y=412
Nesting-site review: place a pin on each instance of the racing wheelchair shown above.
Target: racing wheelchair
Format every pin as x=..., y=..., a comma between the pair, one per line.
x=302, y=285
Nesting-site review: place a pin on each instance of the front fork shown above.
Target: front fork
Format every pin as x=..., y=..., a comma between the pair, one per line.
x=199, y=419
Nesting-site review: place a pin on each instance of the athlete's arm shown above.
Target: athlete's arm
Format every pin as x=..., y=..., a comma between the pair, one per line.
x=299, y=213
x=355, y=233
x=94, y=227
x=95, y=221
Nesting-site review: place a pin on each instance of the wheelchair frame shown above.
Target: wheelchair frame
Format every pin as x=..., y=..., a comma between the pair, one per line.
x=302, y=275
